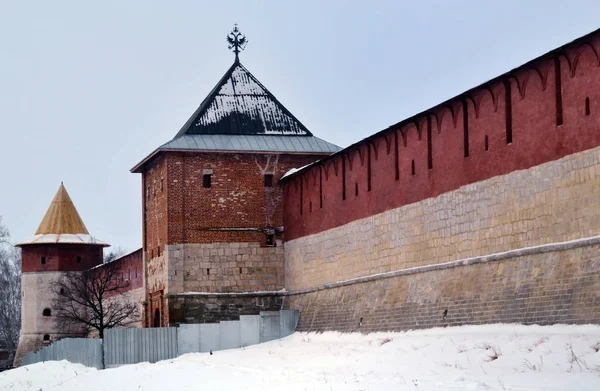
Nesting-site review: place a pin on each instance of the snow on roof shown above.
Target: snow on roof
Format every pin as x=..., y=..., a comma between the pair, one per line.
x=240, y=104
x=292, y=171
x=241, y=115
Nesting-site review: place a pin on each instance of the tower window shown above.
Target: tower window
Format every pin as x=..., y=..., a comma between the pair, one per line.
x=486, y=143
x=587, y=106
x=208, y=272
x=162, y=183
x=43, y=260
x=206, y=180
x=412, y=168
x=268, y=180
x=46, y=337
x=270, y=240
x=78, y=259
x=46, y=312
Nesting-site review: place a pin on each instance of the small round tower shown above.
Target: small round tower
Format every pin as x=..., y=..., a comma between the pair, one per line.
x=61, y=244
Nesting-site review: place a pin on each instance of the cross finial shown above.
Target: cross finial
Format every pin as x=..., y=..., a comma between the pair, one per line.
x=236, y=41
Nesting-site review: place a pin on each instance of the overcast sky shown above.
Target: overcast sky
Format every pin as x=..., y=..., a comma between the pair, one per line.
x=88, y=89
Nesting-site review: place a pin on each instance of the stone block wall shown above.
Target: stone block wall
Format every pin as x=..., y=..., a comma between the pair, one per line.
x=560, y=286
x=553, y=202
x=225, y=267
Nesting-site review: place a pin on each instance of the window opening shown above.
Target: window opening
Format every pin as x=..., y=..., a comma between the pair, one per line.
x=206, y=180
x=268, y=180
x=270, y=240
x=43, y=260
x=46, y=337
x=412, y=167
x=486, y=143
x=78, y=259
x=46, y=312
x=356, y=189
x=208, y=272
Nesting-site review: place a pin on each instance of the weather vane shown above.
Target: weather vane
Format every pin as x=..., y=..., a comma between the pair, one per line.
x=236, y=41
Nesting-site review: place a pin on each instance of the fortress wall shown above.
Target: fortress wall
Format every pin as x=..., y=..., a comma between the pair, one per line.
x=507, y=165
x=554, y=202
x=537, y=113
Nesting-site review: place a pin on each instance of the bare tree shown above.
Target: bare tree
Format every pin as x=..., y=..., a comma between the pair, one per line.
x=94, y=300
x=114, y=253
x=10, y=292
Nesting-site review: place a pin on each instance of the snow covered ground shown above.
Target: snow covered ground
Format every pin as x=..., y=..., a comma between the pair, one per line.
x=492, y=357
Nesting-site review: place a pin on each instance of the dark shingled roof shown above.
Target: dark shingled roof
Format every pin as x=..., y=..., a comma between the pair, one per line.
x=241, y=115
x=240, y=104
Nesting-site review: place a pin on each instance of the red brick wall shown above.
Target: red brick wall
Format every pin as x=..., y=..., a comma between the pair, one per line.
x=178, y=209
x=236, y=199
x=60, y=257
x=534, y=114
x=154, y=193
x=131, y=269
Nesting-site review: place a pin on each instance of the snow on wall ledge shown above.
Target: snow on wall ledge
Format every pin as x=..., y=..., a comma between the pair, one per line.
x=554, y=202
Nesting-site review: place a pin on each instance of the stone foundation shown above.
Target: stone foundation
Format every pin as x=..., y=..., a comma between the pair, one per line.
x=551, y=285
x=205, y=308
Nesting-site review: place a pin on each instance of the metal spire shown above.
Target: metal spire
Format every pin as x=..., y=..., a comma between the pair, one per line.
x=236, y=41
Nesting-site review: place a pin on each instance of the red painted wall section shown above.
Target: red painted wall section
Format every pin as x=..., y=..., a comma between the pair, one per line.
x=60, y=257
x=542, y=111
x=131, y=270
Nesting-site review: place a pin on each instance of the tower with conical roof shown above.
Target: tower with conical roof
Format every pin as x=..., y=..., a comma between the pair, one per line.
x=61, y=244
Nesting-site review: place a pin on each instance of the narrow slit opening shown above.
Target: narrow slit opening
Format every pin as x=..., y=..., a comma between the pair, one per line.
x=587, y=106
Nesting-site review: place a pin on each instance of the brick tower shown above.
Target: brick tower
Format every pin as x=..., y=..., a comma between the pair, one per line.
x=212, y=203
x=61, y=244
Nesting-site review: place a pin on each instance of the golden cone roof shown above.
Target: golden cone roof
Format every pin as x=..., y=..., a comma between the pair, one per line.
x=62, y=224
x=62, y=216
